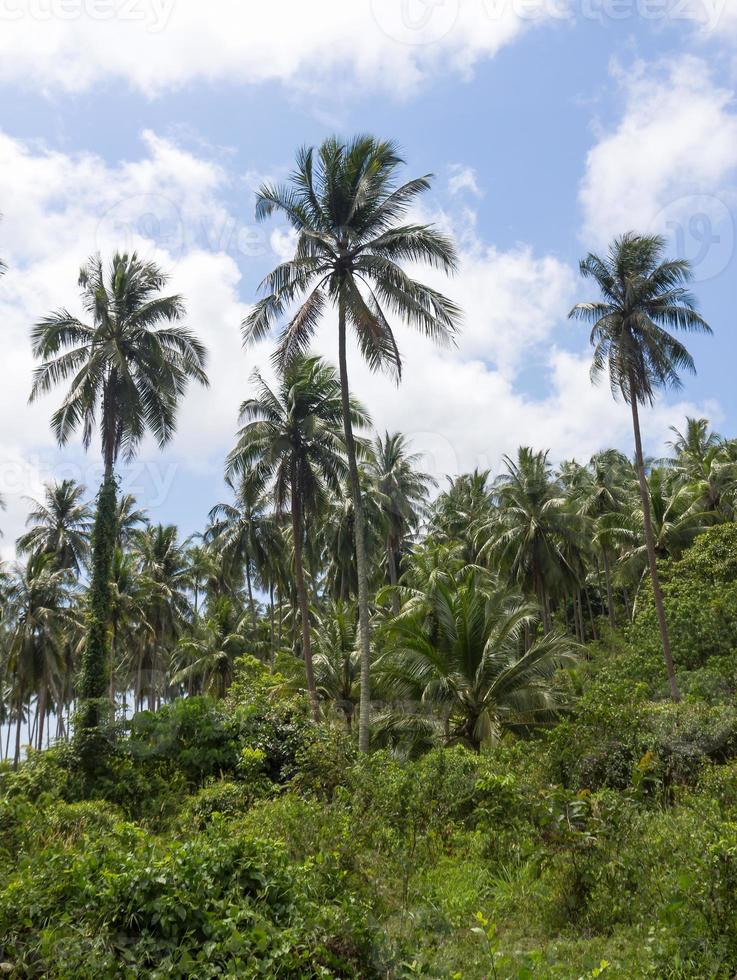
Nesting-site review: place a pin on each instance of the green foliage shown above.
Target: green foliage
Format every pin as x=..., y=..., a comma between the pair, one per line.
x=93, y=717
x=700, y=594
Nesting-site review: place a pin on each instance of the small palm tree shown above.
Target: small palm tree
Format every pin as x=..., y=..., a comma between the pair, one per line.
x=244, y=532
x=644, y=296
x=204, y=661
x=59, y=526
x=163, y=560
x=39, y=606
x=404, y=491
x=347, y=207
x=702, y=460
x=337, y=658
x=128, y=370
x=464, y=655
x=292, y=442
x=529, y=532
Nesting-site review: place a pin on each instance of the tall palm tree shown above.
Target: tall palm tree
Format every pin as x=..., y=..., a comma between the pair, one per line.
x=404, y=491
x=346, y=205
x=59, y=526
x=128, y=370
x=643, y=298
x=468, y=660
x=292, y=442
x=461, y=509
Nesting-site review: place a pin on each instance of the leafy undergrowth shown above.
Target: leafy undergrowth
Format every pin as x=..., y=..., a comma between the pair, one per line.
x=238, y=840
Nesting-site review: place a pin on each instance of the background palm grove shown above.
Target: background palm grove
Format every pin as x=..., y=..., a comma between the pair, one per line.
x=362, y=725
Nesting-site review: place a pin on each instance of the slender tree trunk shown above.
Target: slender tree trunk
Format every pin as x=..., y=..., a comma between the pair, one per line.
x=391, y=562
x=7, y=739
x=42, y=698
x=650, y=545
x=609, y=596
x=251, y=603
x=18, y=726
x=594, y=634
x=299, y=575
x=364, y=711
x=271, y=622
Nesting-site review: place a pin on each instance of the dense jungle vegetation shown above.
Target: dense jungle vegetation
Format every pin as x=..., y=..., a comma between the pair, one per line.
x=365, y=725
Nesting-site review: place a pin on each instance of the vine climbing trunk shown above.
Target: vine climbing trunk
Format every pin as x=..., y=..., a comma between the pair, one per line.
x=94, y=679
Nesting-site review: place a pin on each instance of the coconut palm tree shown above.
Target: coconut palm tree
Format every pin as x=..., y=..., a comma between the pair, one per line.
x=643, y=298
x=337, y=658
x=128, y=369
x=600, y=494
x=346, y=205
x=404, y=491
x=292, y=442
x=59, y=526
x=163, y=560
x=244, y=531
x=461, y=509
x=528, y=533
x=39, y=606
x=467, y=659
x=702, y=460
x=129, y=518
x=204, y=661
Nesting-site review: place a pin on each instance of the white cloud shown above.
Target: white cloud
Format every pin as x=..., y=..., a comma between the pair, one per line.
x=463, y=178
x=463, y=406
x=668, y=165
x=155, y=45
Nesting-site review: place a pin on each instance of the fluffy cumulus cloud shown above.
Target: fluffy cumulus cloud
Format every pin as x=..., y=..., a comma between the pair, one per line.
x=463, y=406
x=669, y=163
x=156, y=45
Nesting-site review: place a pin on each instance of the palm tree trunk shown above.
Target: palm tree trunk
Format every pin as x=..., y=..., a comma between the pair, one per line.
x=42, y=698
x=95, y=665
x=650, y=545
x=18, y=725
x=271, y=622
x=299, y=575
x=251, y=603
x=609, y=596
x=391, y=562
x=364, y=710
x=594, y=634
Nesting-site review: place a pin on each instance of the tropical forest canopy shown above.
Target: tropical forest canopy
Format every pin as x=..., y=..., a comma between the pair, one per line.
x=363, y=724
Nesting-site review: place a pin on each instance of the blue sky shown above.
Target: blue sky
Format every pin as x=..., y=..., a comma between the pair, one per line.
x=550, y=125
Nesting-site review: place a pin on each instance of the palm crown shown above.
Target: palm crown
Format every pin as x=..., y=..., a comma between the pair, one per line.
x=643, y=297
x=344, y=201
x=129, y=366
